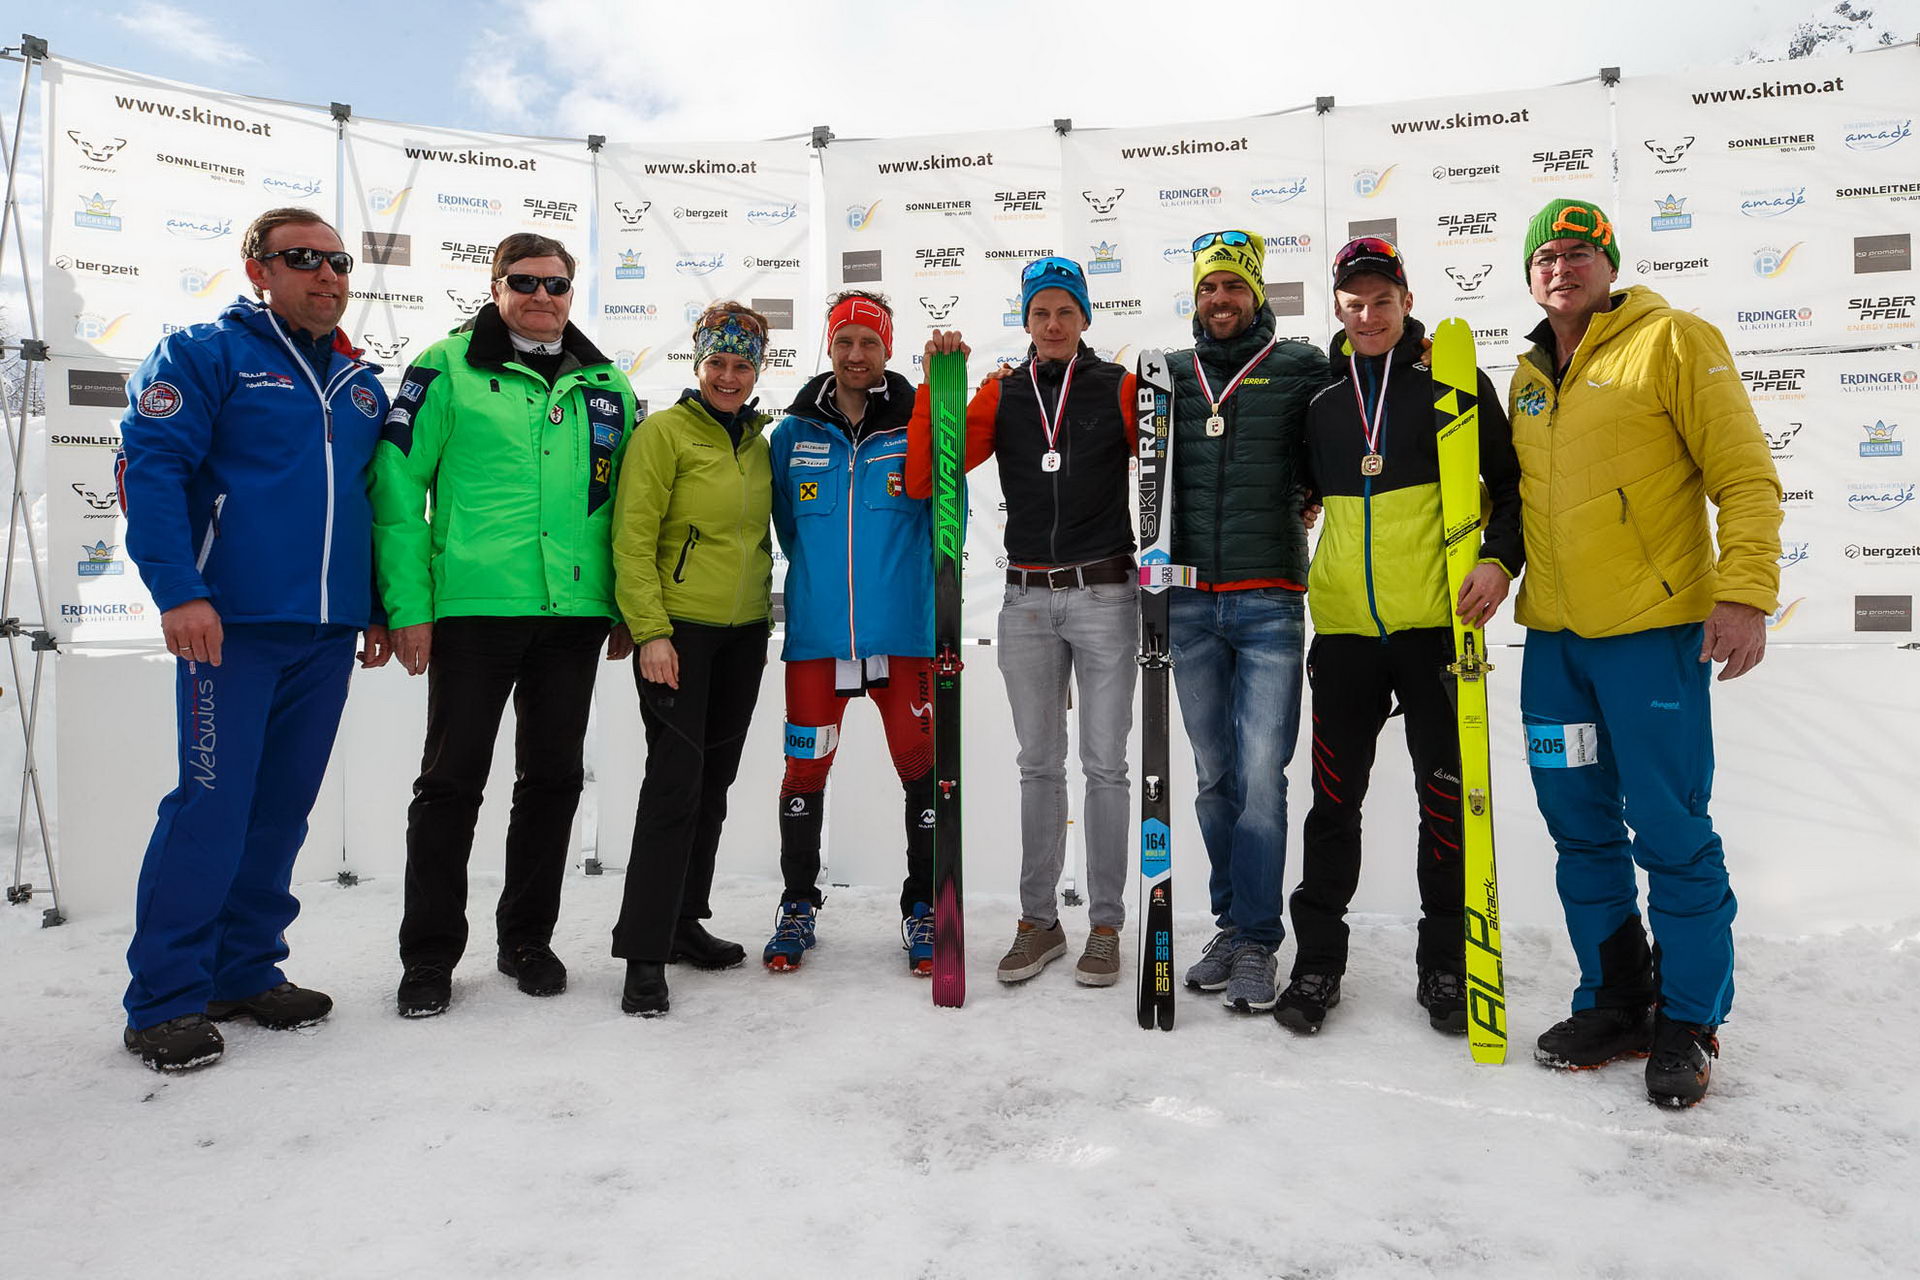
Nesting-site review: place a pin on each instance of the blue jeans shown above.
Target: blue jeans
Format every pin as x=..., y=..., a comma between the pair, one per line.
x=1639, y=796
x=1237, y=668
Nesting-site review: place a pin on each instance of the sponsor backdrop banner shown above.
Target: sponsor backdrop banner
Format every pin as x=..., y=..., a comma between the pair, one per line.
x=1780, y=201
x=682, y=226
x=424, y=209
x=943, y=225
x=149, y=184
x=1139, y=197
x=1839, y=427
x=1453, y=182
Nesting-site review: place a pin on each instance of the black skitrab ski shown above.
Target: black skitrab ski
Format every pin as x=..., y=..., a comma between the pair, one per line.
x=947, y=389
x=1157, y=574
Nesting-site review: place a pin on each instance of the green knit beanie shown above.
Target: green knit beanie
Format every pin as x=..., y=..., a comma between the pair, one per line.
x=1571, y=220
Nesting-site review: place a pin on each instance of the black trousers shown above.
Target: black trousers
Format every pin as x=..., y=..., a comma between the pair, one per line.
x=548, y=665
x=1355, y=680
x=694, y=738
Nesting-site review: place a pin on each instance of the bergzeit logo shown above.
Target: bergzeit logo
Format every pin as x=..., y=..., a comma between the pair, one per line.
x=1672, y=266
x=692, y=214
x=65, y=263
x=1882, y=554
x=757, y=262
x=1465, y=173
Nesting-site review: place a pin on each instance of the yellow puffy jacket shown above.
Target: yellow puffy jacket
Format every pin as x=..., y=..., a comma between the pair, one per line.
x=1617, y=464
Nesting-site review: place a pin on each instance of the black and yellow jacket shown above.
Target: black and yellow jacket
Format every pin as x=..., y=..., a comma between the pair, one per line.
x=1380, y=565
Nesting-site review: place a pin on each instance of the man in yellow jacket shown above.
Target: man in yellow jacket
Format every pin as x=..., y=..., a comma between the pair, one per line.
x=1628, y=419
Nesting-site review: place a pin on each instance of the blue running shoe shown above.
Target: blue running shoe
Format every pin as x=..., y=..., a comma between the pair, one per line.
x=792, y=937
x=916, y=935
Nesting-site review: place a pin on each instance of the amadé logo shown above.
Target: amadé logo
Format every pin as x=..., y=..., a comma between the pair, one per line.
x=1868, y=497
x=1877, y=135
x=1772, y=202
x=1279, y=192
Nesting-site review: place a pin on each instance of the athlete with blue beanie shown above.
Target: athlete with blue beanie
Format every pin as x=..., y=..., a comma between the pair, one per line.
x=246, y=444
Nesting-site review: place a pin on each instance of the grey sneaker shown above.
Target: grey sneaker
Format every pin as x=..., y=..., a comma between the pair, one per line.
x=1250, y=983
x=1033, y=949
x=1211, y=970
x=1099, y=965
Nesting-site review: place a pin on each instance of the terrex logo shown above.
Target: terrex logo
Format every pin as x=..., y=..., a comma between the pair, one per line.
x=939, y=308
x=1103, y=201
x=1469, y=279
x=632, y=211
x=1669, y=151
x=98, y=150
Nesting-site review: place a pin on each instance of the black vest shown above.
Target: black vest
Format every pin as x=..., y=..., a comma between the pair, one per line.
x=1079, y=513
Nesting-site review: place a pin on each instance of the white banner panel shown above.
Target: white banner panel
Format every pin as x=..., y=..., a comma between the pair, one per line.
x=686, y=224
x=1453, y=182
x=1780, y=201
x=1140, y=196
x=425, y=208
x=942, y=226
x=1839, y=427
x=150, y=184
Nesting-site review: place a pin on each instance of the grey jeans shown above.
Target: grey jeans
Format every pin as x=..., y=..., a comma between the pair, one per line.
x=1092, y=633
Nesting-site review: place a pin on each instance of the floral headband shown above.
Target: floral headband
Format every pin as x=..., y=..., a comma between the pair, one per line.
x=729, y=336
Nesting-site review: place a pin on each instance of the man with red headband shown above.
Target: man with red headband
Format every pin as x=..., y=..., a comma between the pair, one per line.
x=859, y=610
x=1377, y=591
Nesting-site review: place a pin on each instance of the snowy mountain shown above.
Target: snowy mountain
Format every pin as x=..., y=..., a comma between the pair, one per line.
x=1841, y=28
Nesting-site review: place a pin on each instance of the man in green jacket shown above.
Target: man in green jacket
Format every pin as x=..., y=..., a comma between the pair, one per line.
x=1240, y=402
x=514, y=426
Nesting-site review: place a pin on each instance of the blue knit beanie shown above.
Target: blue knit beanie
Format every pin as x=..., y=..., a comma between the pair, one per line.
x=1054, y=273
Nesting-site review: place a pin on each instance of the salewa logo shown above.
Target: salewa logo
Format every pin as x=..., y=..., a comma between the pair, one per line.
x=1592, y=383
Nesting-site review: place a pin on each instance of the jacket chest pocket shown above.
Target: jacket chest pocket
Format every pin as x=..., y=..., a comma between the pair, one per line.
x=813, y=490
x=882, y=483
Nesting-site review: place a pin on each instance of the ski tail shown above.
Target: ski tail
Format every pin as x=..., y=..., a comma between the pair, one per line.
x=1157, y=573
x=1456, y=387
x=947, y=389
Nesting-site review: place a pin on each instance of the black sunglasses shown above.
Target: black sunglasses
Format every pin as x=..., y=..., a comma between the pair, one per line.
x=1235, y=238
x=557, y=286
x=304, y=259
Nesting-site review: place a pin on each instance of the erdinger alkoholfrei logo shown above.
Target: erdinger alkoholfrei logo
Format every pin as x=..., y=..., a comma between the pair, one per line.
x=1669, y=150
x=1104, y=259
x=939, y=308
x=630, y=267
x=1670, y=213
x=1469, y=279
x=1880, y=442
x=385, y=352
x=1103, y=199
x=97, y=149
x=1368, y=183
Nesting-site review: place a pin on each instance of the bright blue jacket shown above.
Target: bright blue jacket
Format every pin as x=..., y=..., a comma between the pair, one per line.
x=859, y=550
x=244, y=477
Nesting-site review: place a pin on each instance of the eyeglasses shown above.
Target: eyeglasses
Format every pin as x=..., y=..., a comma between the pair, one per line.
x=1364, y=247
x=1041, y=268
x=1575, y=259
x=302, y=258
x=1220, y=237
x=557, y=286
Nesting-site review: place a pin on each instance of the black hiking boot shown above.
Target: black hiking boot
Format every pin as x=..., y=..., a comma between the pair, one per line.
x=179, y=1044
x=282, y=1008
x=692, y=943
x=534, y=966
x=1303, y=1005
x=1682, y=1062
x=1595, y=1037
x=1443, y=994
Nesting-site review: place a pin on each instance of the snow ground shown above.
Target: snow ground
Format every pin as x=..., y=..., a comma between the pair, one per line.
x=833, y=1123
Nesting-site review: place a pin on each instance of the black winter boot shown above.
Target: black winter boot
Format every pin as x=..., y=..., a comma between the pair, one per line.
x=692, y=943
x=645, y=993
x=1682, y=1062
x=1595, y=1037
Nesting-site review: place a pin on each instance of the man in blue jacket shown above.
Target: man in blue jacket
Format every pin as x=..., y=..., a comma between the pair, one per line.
x=859, y=610
x=243, y=477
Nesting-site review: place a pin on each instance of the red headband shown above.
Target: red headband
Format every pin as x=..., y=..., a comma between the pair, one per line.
x=863, y=311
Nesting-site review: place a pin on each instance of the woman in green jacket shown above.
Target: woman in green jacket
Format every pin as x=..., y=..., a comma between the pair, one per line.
x=693, y=576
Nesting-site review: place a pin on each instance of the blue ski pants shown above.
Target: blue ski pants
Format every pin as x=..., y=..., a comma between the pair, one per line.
x=254, y=736
x=1620, y=741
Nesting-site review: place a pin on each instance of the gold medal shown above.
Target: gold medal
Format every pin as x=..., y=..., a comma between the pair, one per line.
x=1216, y=425
x=1371, y=464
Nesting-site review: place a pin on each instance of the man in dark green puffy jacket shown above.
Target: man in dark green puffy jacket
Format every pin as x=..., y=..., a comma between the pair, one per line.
x=514, y=426
x=1240, y=400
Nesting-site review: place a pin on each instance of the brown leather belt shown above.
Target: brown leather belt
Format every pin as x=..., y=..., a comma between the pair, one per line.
x=1114, y=569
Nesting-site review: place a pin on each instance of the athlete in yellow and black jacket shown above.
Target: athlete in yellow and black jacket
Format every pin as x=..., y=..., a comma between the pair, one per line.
x=1377, y=592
